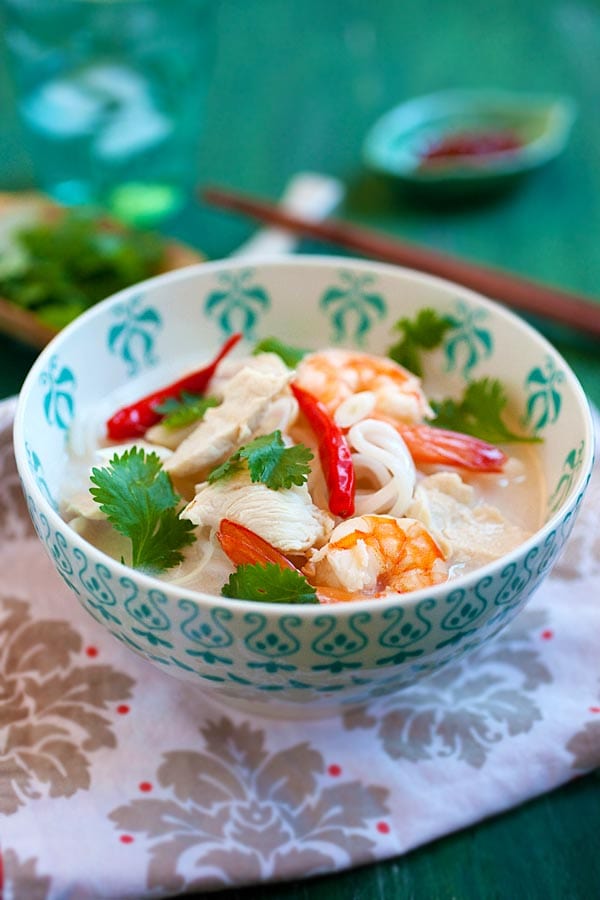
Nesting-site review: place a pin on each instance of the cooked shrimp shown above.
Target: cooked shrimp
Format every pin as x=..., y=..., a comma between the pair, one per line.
x=354, y=386
x=245, y=547
x=371, y=556
x=429, y=445
x=357, y=386
x=368, y=556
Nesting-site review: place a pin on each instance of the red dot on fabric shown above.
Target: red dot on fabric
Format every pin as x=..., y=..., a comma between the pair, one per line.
x=383, y=828
x=123, y=709
x=595, y=709
x=91, y=651
x=145, y=786
x=547, y=635
x=334, y=770
x=126, y=839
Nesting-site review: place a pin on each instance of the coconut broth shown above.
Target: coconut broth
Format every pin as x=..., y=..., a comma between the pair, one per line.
x=518, y=493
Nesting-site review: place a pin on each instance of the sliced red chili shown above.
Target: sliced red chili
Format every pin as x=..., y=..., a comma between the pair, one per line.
x=134, y=420
x=334, y=453
x=467, y=144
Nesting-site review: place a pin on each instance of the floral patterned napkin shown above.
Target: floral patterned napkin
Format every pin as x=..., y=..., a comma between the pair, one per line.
x=118, y=781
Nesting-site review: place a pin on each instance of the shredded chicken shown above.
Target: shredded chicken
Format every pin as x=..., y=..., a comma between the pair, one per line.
x=469, y=533
x=267, y=363
x=288, y=518
x=246, y=399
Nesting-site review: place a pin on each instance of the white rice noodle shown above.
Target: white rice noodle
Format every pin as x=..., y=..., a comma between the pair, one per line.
x=382, y=461
x=204, y=567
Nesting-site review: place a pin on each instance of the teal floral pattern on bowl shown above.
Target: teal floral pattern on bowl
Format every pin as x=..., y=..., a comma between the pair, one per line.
x=37, y=470
x=469, y=342
x=132, y=336
x=59, y=385
x=545, y=400
x=238, y=303
x=572, y=465
x=281, y=660
x=352, y=306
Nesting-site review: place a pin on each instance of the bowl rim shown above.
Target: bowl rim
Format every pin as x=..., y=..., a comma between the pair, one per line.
x=202, y=598
x=544, y=147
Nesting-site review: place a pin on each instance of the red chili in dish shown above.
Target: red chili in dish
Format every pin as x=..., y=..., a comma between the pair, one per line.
x=470, y=144
x=136, y=419
x=334, y=453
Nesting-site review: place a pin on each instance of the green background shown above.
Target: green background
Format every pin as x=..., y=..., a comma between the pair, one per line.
x=296, y=84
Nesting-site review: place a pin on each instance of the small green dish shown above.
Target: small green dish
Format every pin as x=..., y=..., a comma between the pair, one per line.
x=395, y=144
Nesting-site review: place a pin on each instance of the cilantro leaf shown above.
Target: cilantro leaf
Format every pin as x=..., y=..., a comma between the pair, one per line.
x=58, y=268
x=137, y=497
x=269, y=583
x=278, y=466
x=290, y=355
x=270, y=461
x=232, y=466
x=184, y=410
x=479, y=413
x=425, y=332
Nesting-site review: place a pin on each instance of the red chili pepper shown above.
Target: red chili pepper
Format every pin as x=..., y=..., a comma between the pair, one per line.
x=136, y=419
x=334, y=453
x=471, y=144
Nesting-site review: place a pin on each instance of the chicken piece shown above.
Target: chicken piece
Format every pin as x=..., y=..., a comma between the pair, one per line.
x=224, y=428
x=267, y=363
x=287, y=519
x=169, y=437
x=470, y=533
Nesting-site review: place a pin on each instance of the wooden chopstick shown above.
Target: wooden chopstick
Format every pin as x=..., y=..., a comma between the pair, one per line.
x=513, y=290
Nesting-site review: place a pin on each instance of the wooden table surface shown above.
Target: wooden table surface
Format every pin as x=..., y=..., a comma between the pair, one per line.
x=295, y=87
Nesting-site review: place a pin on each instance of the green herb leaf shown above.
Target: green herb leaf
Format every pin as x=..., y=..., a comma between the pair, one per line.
x=232, y=466
x=67, y=265
x=269, y=583
x=184, y=410
x=290, y=355
x=425, y=332
x=137, y=497
x=479, y=413
x=269, y=461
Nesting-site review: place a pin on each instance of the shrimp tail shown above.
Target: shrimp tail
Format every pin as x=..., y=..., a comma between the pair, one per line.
x=245, y=547
x=451, y=448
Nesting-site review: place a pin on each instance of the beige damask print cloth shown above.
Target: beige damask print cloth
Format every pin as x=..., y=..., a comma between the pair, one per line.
x=117, y=781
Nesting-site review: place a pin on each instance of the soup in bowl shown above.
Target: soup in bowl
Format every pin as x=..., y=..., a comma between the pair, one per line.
x=302, y=483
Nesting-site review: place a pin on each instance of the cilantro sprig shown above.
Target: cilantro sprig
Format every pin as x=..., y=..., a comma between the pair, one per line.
x=479, y=413
x=268, y=460
x=269, y=583
x=184, y=410
x=57, y=269
x=291, y=356
x=425, y=332
x=137, y=497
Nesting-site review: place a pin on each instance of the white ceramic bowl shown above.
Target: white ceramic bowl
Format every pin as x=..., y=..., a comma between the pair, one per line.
x=282, y=659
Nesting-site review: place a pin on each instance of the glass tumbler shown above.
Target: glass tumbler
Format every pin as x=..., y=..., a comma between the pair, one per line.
x=112, y=95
